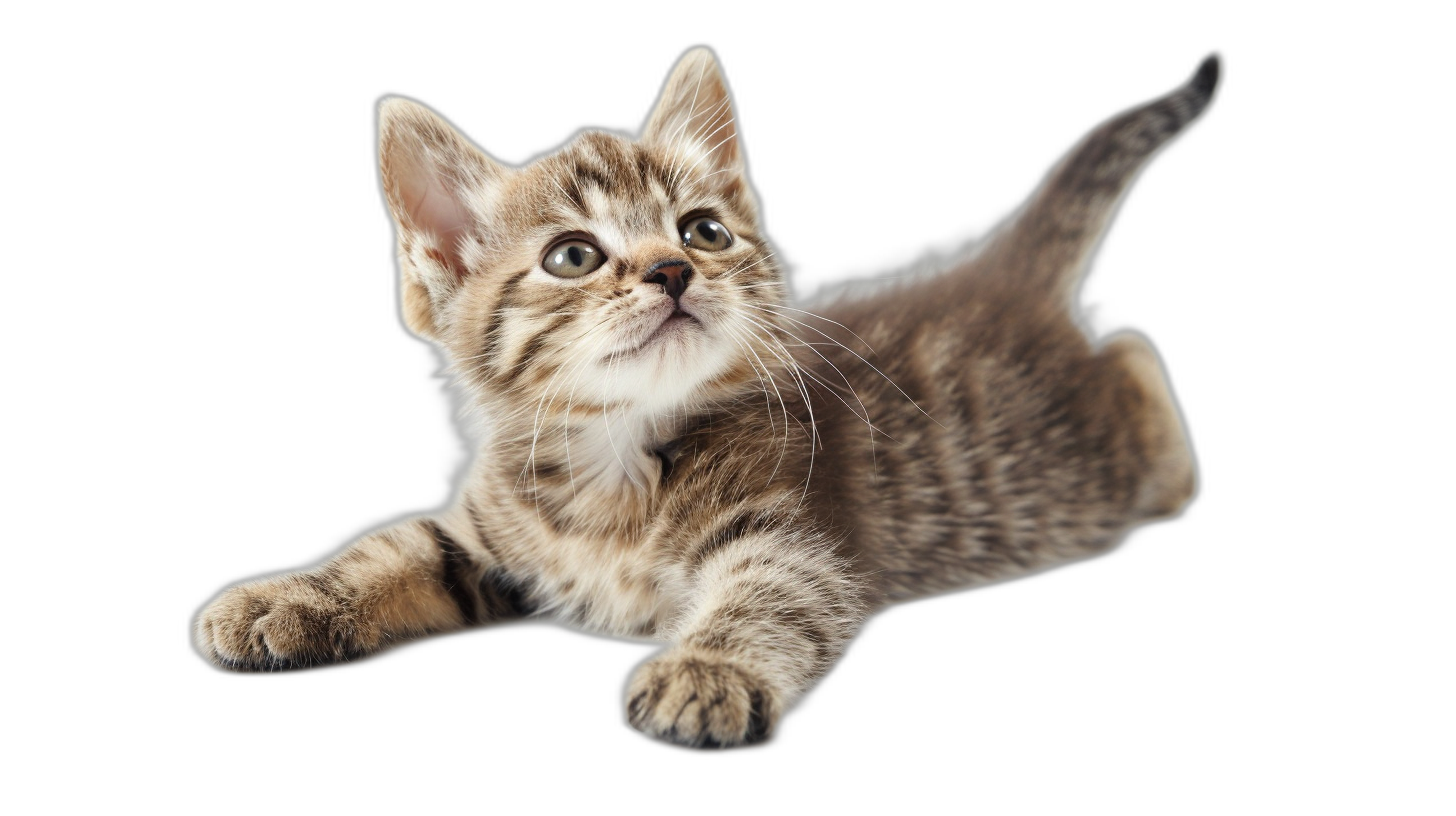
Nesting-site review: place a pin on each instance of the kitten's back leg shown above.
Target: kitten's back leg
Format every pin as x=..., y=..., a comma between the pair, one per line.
x=1168, y=481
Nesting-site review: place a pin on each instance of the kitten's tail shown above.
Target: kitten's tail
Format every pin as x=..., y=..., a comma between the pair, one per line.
x=1047, y=244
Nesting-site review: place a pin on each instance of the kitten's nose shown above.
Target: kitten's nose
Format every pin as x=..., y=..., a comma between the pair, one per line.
x=673, y=275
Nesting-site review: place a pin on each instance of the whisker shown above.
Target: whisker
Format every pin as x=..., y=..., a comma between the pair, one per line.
x=547, y=393
x=834, y=389
x=863, y=414
x=857, y=355
x=692, y=107
x=709, y=152
x=741, y=268
x=679, y=173
x=783, y=450
x=795, y=371
x=825, y=319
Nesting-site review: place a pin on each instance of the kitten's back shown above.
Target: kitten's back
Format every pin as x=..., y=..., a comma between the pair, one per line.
x=1038, y=446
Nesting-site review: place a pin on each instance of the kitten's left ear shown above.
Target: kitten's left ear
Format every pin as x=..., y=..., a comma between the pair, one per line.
x=438, y=185
x=694, y=117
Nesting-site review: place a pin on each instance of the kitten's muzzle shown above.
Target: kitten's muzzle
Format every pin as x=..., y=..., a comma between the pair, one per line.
x=672, y=275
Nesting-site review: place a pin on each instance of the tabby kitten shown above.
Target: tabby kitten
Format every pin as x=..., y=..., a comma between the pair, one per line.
x=670, y=450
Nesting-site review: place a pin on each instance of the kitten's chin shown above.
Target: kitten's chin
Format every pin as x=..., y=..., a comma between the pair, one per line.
x=665, y=370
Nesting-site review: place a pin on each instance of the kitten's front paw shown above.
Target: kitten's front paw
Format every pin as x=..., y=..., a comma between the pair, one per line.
x=281, y=623
x=703, y=702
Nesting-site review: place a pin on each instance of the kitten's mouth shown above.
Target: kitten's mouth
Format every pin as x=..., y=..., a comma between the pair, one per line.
x=675, y=323
x=677, y=318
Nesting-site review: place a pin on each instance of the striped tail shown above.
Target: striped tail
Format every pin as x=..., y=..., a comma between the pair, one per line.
x=1046, y=246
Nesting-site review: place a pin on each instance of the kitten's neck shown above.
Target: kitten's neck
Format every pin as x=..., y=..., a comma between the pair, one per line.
x=589, y=470
x=615, y=450
x=600, y=468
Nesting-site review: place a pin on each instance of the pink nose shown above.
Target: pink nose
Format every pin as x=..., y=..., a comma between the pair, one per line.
x=673, y=275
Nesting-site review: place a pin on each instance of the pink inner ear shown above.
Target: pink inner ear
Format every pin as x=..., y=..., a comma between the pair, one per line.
x=433, y=207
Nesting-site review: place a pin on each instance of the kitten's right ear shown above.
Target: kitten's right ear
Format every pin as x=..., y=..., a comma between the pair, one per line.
x=694, y=117
x=437, y=184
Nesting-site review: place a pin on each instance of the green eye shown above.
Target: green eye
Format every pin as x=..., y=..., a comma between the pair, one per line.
x=705, y=233
x=573, y=258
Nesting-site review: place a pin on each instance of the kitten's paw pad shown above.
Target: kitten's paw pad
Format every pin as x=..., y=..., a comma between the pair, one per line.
x=700, y=702
x=282, y=623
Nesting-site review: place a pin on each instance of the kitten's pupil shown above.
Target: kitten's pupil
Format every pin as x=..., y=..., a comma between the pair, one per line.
x=705, y=229
x=574, y=254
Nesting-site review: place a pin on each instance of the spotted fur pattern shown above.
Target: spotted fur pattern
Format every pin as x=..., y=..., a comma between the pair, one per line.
x=737, y=477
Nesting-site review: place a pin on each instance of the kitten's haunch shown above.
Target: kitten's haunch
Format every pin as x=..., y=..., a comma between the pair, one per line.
x=673, y=451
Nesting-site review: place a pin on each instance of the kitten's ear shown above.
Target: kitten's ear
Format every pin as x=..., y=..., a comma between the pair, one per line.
x=437, y=184
x=695, y=121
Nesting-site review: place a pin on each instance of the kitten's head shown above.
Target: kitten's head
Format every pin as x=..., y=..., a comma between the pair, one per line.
x=612, y=273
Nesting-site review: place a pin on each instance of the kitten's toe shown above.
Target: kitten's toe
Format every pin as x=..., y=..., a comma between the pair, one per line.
x=703, y=702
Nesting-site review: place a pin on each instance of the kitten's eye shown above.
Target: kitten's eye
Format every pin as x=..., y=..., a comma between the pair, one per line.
x=573, y=258
x=705, y=233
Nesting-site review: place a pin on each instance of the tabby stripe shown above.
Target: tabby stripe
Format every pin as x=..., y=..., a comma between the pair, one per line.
x=996, y=532
x=742, y=524
x=663, y=177
x=921, y=451
x=648, y=171
x=592, y=175
x=490, y=346
x=572, y=188
x=825, y=644
x=509, y=288
x=625, y=166
x=325, y=581
x=533, y=346
x=456, y=564
x=479, y=525
x=806, y=622
x=503, y=596
x=735, y=626
x=818, y=581
x=549, y=508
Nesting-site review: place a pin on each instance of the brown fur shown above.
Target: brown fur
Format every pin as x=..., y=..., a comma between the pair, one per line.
x=748, y=485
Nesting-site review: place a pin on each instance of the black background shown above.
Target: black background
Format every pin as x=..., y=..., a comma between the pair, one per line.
x=318, y=417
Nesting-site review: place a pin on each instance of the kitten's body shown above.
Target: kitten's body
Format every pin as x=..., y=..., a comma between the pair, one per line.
x=703, y=464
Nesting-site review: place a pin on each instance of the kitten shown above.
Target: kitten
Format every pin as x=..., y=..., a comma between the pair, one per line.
x=670, y=450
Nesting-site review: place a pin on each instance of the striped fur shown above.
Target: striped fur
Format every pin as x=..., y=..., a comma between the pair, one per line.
x=740, y=479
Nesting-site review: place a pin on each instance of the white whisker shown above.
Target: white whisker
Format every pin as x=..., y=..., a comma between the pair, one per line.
x=825, y=319
x=857, y=355
x=784, y=448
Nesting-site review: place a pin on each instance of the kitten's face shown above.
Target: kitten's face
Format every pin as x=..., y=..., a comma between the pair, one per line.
x=586, y=281
x=613, y=274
